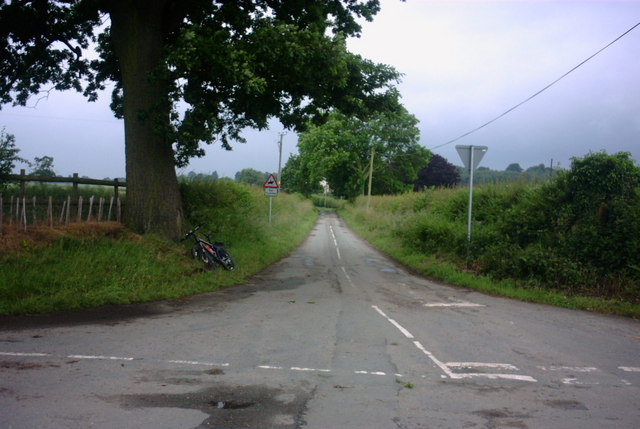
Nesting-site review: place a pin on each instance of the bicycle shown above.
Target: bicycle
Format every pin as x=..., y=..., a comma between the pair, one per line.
x=210, y=253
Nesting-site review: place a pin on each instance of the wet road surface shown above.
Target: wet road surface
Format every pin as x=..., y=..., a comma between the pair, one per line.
x=334, y=336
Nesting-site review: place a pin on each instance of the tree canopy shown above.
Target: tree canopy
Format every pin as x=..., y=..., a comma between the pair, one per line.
x=43, y=166
x=251, y=176
x=340, y=153
x=8, y=155
x=438, y=172
x=192, y=72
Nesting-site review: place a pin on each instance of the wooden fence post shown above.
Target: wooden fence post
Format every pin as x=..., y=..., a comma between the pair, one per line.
x=74, y=189
x=100, y=205
x=50, y=212
x=24, y=213
x=17, y=213
x=79, y=209
x=116, y=189
x=23, y=183
x=34, y=212
x=90, y=208
x=66, y=221
x=110, y=207
x=64, y=205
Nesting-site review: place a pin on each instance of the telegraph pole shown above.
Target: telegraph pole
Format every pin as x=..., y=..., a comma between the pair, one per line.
x=370, y=176
x=280, y=159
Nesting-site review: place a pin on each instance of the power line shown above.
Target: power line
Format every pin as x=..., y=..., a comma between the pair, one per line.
x=537, y=93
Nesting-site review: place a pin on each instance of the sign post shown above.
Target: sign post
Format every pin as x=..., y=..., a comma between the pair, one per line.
x=271, y=190
x=471, y=157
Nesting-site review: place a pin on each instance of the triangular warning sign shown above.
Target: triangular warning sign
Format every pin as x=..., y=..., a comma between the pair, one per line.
x=271, y=182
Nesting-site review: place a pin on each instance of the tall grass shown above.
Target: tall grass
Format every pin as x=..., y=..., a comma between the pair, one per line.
x=91, y=264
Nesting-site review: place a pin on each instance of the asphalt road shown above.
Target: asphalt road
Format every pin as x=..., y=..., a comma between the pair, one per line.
x=334, y=336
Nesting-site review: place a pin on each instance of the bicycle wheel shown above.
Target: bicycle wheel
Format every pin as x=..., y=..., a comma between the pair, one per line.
x=209, y=261
x=225, y=259
x=196, y=251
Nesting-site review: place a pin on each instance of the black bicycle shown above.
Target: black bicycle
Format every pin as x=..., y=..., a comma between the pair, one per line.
x=210, y=253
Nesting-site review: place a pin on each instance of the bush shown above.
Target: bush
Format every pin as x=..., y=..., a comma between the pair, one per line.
x=221, y=207
x=579, y=232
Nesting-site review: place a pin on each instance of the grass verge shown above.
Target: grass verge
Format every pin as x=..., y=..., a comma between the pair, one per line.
x=93, y=264
x=377, y=230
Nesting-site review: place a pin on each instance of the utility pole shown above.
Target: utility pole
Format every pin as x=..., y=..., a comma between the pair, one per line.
x=280, y=159
x=370, y=176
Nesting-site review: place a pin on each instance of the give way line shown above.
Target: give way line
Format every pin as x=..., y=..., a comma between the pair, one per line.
x=446, y=367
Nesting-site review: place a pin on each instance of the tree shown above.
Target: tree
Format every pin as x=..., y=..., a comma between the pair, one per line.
x=8, y=155
x=43, y=166
x=296, y=177
x=515, y=167
x=233, y=64
x=438, y=172
x=251, y=176
x=339, y=152
x=201, y=177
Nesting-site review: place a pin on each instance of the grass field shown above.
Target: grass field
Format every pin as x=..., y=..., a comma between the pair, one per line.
x=92, y=264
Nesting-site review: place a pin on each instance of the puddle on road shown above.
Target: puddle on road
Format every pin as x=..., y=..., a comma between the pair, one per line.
x=231, y=406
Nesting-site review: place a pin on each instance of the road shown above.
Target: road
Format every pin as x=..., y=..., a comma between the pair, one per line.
x=334, y=336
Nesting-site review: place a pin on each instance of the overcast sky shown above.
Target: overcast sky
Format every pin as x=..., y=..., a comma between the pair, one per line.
x=464, y=64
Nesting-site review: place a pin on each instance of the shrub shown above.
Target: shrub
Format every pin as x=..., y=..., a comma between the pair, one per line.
x=221, y=207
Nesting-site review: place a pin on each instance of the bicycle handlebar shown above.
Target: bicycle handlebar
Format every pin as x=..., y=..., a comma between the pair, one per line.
x=190, y=233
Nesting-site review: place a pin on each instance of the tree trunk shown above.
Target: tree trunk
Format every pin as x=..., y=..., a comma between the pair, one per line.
x=153, y=201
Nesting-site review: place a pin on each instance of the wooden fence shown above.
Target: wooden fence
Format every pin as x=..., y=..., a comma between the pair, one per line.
x=22, y=211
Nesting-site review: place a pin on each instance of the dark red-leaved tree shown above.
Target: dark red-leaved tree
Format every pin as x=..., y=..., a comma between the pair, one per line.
x=439, y=172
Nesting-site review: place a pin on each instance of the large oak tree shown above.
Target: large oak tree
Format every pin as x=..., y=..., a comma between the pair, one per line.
x=188, y=72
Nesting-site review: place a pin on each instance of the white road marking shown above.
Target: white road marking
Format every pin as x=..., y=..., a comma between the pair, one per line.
x=393, y=322
x=335, y=242
x=344, y=270
x=445, y=368
x=194, y=362
x=515, y=377
x=99, y=357
x=24, y=354
x=569, y=368
x=453, y=304
x=430, y=355
x=482, y=365
x=574, y=382
x=371, y=373
x=295, y=368
x=269, y=367
x=629, y=368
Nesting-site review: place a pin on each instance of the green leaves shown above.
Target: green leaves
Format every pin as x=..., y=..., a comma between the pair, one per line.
x=340, y=153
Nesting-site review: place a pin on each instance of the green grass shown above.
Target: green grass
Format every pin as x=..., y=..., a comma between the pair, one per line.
x=74, y=272
x=380, y=226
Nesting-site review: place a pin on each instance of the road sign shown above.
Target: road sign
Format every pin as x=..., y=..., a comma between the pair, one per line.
x=271, y=183
x=271, y=192
x=471, y=155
